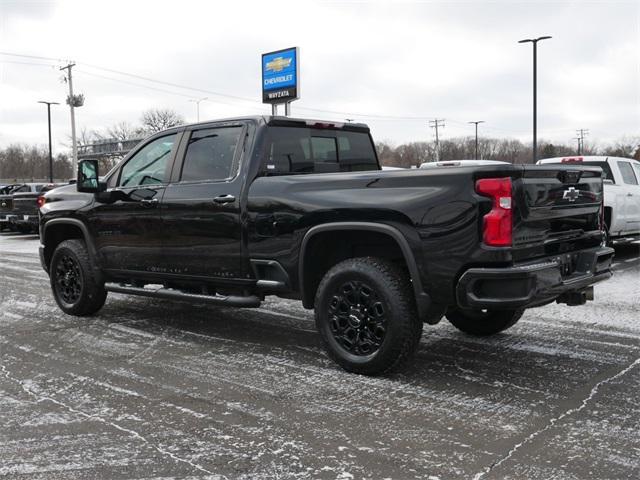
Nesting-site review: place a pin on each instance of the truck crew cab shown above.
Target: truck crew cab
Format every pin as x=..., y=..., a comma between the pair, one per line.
x=230, y=211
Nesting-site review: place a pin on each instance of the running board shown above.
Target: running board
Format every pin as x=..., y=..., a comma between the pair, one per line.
x=167, y=293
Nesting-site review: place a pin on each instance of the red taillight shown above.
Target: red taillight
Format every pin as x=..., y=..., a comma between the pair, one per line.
x=497, y=229
x=41, y=201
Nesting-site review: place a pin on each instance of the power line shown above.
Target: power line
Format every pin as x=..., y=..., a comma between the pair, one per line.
x=59, y=60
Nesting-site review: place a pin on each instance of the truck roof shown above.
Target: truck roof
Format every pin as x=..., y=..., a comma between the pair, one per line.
x=288, y=121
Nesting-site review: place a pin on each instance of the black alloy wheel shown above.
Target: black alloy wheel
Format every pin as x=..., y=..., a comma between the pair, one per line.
x=358, y=321
x=76, y=286
x=68, y=279
x=366, y=314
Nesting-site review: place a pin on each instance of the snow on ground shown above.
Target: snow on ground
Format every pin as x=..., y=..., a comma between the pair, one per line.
x=156, y=389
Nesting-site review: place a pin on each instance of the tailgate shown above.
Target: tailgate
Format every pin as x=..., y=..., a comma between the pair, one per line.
x=557, y=207
x=25, y=205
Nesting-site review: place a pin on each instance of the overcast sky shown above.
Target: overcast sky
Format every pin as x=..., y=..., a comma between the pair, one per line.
x=393, y=65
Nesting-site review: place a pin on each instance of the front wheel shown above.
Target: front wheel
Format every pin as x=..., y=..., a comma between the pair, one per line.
x=365, y=312
x=483, y=322
x=73, y=282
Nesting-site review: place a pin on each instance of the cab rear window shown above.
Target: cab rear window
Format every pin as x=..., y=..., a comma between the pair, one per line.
x=606, y=169
x=297, y=150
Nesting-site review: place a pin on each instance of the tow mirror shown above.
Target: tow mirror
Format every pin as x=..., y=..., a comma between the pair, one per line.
x=88, y=179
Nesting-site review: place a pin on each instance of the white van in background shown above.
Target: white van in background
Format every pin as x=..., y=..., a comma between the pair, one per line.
x=621, y=178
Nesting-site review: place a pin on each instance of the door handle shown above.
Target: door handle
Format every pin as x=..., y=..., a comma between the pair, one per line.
x=629, y=194
x=149, y=202
x=224, y=199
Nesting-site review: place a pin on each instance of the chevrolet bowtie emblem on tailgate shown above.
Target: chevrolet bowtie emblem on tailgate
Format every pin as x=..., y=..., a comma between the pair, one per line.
x=278, y=64
x=570, y=194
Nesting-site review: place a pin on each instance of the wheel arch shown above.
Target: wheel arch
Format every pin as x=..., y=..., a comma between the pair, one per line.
x=308, y=282
x=57, y=230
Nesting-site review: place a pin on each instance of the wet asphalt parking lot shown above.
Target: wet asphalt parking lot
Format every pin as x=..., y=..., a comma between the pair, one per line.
x=151, y=389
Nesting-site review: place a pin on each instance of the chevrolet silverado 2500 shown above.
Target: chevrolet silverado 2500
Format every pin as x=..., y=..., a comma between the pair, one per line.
x=230, y=211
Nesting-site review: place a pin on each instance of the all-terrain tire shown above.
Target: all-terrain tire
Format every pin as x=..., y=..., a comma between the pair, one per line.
x=366, y=315
x=73, y=281
x=479, y=323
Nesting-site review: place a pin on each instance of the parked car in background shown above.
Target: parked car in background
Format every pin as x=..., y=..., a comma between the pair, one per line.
x=621, y=178
x=461, y=163
x=6, y=205
x=26, y=200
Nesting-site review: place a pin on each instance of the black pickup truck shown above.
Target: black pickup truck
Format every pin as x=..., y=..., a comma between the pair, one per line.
x=19, y=206
x=230, y=211
x=24, y=214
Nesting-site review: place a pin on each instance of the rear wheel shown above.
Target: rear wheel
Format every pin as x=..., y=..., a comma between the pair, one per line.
x=483, y=322
x=73, y=281
x=365, y=312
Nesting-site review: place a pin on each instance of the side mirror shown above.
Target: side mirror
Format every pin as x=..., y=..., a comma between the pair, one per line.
x=88, y=180
x=608, y=181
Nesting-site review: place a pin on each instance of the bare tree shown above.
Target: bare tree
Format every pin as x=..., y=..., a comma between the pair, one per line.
x=124, y=131
x=156, y=120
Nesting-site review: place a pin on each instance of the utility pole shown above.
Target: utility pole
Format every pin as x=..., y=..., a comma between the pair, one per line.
x=476, y=123
x=583, y=132
x=49, y=121
x=436, y=124
x=578, y=139
x=535, y=92
x=71, y=101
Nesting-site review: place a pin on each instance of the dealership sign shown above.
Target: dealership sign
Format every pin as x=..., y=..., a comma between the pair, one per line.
x=280, y=76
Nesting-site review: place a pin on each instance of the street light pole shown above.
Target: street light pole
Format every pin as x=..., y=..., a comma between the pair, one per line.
x=476, y=123
x=49, y=122
x=197, y=102
x=535, y=92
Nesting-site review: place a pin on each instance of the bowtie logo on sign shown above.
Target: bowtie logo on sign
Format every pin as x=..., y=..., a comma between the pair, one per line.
x=278, y=64
x=280, y=77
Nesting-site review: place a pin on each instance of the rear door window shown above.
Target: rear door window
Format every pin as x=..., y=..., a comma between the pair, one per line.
x=636, y=167
x=211, y=154
x=626, y=170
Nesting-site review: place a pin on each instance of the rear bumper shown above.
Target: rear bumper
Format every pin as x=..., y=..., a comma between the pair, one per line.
x=527, y=285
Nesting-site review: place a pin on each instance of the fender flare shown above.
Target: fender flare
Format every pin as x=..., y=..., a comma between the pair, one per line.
x=93, y=254
x=423, y=300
